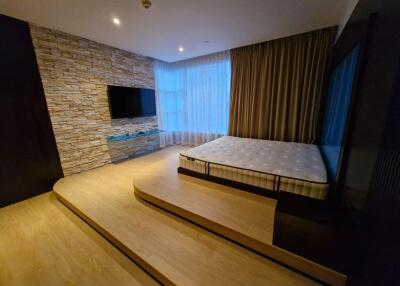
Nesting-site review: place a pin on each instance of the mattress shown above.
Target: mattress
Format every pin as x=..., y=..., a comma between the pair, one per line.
x=271, y=165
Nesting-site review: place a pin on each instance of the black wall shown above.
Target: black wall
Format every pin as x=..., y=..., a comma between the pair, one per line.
x=370, y=182
x=376, y=86
x=358, y=233
x=30, y=162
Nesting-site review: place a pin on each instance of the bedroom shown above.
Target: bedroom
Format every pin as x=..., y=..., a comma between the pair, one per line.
x=199, y=142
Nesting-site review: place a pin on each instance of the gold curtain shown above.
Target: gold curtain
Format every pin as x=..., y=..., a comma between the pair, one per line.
x=276, y=88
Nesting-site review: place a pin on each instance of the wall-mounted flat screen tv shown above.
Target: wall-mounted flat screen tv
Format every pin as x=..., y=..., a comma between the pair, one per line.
x=128, y=102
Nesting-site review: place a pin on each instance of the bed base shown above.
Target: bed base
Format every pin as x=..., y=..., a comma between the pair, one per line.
x=230, y=183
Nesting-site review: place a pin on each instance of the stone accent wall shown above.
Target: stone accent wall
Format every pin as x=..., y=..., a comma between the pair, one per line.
x=75, y=73
x=125, y=149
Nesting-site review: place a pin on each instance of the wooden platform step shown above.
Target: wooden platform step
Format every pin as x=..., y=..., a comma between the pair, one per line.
x=173, y=250
x=240, y=216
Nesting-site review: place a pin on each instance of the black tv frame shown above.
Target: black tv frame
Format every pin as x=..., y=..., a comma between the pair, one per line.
x=133, y=88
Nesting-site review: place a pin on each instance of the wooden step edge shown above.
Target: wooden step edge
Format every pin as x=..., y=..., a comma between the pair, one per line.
x=287, y=258
x=118, y=244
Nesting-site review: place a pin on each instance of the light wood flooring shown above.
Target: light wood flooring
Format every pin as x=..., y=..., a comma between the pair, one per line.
x=241, y=212
x=43, y=243
x=173, y=250
x=241, y=216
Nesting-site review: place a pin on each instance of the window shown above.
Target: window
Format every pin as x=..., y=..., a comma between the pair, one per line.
x=193, y=98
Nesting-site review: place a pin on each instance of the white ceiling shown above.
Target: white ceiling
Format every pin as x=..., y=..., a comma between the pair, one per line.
x=158, y=32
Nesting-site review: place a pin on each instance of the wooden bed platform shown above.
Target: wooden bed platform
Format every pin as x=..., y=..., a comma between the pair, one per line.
x=240, y=216
x=171, y=249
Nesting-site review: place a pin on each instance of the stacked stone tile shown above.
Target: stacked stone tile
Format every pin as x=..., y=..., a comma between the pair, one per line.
x=125, y=149
x=75, y=73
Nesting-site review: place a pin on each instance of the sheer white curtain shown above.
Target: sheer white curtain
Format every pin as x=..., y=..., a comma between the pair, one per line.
x=193, y=98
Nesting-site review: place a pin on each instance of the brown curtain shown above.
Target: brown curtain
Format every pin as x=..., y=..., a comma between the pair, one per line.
x=276, y=88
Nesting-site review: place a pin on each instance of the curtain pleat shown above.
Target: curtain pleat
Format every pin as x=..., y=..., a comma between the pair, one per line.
x=276, y=87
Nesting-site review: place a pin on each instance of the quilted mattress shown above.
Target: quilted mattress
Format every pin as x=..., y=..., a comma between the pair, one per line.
x=272, y=165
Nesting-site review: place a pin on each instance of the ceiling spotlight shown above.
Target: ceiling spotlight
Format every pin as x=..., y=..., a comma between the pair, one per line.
x=181, y=49
x=116, y=21
x=146, y=3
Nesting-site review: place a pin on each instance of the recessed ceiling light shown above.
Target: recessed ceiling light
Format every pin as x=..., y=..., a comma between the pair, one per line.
x=116, y=21
x=181, y=49
x=146, y=4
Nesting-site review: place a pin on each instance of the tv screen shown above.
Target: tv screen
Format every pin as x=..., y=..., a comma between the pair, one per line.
x=131, y=102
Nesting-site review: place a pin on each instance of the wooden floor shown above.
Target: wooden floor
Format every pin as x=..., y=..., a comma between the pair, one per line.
x=43, y=243
x=173, y=250
x=247, y=214
x=240, y=216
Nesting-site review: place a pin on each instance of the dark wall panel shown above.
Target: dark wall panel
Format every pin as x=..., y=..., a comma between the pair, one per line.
x=359, y=233
x=29, y=158
x=376, y=84
x=371, y=166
